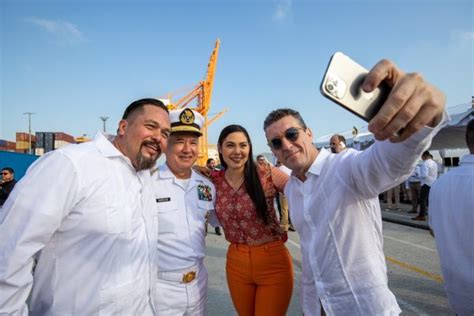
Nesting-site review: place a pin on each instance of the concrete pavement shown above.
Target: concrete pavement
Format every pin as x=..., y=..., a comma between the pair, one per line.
x=402, y=216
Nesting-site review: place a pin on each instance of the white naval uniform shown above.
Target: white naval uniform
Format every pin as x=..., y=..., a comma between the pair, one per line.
x=182, y=208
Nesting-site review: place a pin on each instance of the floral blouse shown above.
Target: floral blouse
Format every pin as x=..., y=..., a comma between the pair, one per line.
x=237, y=213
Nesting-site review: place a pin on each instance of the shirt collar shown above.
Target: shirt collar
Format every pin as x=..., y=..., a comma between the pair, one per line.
x=166, y=173
x=105, y=145
x=318, y=163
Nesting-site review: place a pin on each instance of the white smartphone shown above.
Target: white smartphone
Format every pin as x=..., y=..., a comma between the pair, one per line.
x=342, y=83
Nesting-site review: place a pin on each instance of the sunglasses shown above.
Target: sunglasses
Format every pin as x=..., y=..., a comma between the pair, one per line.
x=290, y=134
x=5, y=173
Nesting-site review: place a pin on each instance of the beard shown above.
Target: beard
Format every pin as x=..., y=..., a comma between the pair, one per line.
x=144, y=162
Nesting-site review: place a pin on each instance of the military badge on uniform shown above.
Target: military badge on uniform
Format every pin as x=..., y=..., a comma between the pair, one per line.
x=186, y=117
x=204, y=192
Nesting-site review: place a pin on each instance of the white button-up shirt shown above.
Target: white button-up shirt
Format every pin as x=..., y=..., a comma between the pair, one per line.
x=182, y=212
x=429, y=172
x=337, y=213
x=415, y=175
x=82, y=210
x=451, y=219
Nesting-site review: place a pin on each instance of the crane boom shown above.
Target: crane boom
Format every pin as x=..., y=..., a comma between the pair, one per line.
x=202, y=94
x=217, y=116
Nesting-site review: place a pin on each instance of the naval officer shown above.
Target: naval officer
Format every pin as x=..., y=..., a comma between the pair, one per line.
x=184, y=199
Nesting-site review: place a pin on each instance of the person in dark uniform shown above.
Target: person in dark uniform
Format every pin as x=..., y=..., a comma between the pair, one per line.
x=6, y=184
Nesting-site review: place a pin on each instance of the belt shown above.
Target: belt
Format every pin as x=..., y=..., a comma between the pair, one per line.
x=188, y=277
x=260, y=247
x=182, y=276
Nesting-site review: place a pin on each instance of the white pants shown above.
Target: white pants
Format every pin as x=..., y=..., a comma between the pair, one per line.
x=178, y=298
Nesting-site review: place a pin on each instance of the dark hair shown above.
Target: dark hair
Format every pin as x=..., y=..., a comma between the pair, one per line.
x=281, y=113
x=340, y=138
x=426, y=153
x=138, y=105
x=209, y=160
x=251, y=178
x=8, y=169
x=470, y=135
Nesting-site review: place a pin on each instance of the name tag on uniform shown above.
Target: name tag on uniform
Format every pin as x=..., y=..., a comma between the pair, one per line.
x=165, y=199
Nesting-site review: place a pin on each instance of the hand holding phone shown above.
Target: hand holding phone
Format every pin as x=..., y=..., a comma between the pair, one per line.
x=342, y=83
x=399, y=104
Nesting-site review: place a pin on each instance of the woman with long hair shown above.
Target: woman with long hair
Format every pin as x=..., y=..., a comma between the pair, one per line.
x=259, y=267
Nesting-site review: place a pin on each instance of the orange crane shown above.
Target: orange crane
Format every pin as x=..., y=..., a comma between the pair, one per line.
x=217, y=116
x=201, y=94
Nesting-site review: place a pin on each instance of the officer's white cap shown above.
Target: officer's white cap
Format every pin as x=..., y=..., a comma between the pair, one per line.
x=186, y=120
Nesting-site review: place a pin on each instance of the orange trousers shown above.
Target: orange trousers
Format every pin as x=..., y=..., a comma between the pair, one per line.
x=260, y=278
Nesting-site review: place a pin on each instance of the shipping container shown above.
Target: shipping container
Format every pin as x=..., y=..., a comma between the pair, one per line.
x=60, y=143
x=11, y=145
x=64, y=137
x=39, y=151
x=21, y=136
x=39, y=139
x=25, y=137
x=22, y=144
x=7, y=149
x=48, y=146
x=48, y=136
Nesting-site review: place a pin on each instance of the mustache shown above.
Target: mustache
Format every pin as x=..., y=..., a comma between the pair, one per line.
x=152, y=143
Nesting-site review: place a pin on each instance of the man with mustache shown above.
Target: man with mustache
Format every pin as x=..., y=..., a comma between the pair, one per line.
x=184, y=200
x=83, y=211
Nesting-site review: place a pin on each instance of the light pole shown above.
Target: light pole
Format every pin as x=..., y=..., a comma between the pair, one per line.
x=29, y=130
x=104, y=118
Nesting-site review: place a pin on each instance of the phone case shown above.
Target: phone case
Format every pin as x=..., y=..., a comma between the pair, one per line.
x=342, y=83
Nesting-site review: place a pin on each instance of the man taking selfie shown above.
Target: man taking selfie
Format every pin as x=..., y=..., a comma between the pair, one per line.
x=334, y=197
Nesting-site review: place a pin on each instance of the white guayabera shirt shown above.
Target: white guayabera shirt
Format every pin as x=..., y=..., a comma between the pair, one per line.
x=451, y=218
x=84, y=207
x=337, y=213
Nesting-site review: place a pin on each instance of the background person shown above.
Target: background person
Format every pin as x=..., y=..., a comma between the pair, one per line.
x=6, y=184
x=334, y=197
x=262, y=161
x=428, y=175
x=211, y=165
x=451, y=220
x=282, y=203
x=393, y=194
x=259, y=267
x=337, y=143
x=285, y=218
x=91, y=224
x=184, y=201
x=414, y=182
